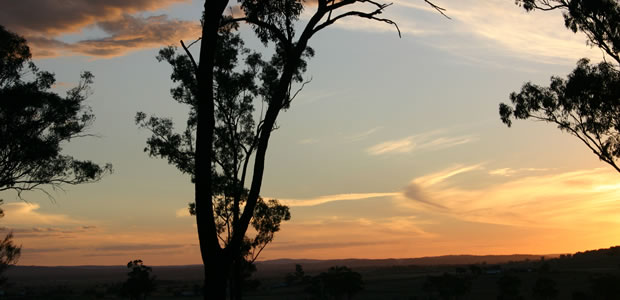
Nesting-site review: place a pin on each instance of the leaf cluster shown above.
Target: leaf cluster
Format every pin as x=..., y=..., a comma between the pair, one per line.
x=35, y=122
x=241, y=80
x=337, y=282
x=586, y=105
x=139, y=283
x=598, y=19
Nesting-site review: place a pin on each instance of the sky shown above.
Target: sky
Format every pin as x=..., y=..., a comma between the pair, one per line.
x=394, y=150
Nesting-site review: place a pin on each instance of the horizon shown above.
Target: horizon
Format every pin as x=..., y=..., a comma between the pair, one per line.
x=395, y=149
x=276, y=260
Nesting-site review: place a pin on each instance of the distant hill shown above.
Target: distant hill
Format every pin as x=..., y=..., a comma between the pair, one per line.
x=310, y=265
x=72, y=274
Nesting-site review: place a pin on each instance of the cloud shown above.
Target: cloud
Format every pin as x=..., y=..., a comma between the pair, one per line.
x=315, y=246
x=126, y=34
x=363, y=135
x=21, y=213
x=331, y=198
x=182, y=212
x=404, y=145
x=138, y=247
x=26, y=251
x=308, y=141
x=483, y=31
x=584, y=199
x=511, y=172
x=418, y=189
x=44, y=22
x=348, y=237
x=51, y=17
x=424, y=141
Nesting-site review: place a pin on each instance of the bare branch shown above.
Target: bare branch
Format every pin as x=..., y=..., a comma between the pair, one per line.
x=191, y=57
x=441, y=10
x=367, y=15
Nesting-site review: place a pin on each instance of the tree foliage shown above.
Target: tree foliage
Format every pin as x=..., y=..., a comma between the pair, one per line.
x=35, y=122
x=599, y=20
x=337, y=282
x=9, y=253
x=276, y=24
x=140, y=282
x=235, y=138
x=587, y=103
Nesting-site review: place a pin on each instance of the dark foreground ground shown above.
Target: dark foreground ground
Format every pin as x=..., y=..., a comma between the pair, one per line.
x=589, y=275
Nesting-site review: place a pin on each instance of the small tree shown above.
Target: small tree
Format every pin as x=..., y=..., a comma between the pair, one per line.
x=9, y=253
x=587, y=104
x=337, y=282
x=140, y=282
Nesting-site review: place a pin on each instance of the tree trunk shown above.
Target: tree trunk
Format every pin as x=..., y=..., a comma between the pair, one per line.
x=215, y=263
x=216, y=278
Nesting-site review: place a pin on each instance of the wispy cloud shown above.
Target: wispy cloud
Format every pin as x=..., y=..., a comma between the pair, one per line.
x=511, y=172
x=21, y=213
x=331, y=198
x=308, y=141
x=348, y=237
x=482, y=31
x=425, y=141
x=363, y=135
x=562, y=200
x=182, y=212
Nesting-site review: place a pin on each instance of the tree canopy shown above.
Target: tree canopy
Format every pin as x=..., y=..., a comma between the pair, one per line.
x=235, y=138
x=35, y=122
x=139, y=283
x=587, y=103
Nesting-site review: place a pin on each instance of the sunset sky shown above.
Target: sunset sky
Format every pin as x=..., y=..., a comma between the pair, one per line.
x=394, y=150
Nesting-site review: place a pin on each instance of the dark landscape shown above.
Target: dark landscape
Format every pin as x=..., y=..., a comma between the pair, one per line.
x=583, y=275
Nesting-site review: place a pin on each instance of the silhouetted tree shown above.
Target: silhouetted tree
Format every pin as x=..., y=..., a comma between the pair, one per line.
x=337, y=283
x=448, y=286
x=140, y=282
x=234, y=139
x=298, y=276
x=9, y=252
x=587, y=104
x=275, y=23
x=509, y=287
x=545, y=288
x=34, y=122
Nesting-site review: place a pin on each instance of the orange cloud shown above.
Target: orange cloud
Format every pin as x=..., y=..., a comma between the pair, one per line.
x=578, y=199
x=129, y=33
x=43, y=22
x=52, y=17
